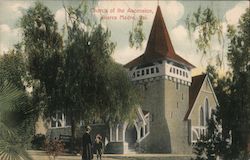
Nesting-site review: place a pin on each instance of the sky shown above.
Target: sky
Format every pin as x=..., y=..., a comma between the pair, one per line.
x=118, y=18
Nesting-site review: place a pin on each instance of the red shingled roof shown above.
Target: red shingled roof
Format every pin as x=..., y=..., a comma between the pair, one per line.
x=194, y=89
x=159, y=45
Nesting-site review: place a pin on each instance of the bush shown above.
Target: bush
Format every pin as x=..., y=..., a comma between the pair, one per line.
x=54, y=147
x=38, y=142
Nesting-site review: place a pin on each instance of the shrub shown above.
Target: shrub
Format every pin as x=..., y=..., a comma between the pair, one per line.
x=54, y=147
x=38, y=142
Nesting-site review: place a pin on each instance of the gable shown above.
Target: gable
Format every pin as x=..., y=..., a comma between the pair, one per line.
x=200, y=90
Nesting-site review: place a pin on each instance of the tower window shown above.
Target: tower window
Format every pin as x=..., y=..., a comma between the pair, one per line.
x=173, y=70
x=177, y=71
x=138, y=73
x=142, y=72
x=152, y=70
x=147, y=71
x=181, y=73
x=157, y=70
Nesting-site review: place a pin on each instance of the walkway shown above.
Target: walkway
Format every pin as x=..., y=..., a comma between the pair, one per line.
x=41, y=155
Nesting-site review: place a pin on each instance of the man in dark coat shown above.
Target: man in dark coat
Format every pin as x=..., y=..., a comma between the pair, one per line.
x=87, y=153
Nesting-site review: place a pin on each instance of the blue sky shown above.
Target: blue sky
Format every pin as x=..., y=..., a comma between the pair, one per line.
x=174, y=13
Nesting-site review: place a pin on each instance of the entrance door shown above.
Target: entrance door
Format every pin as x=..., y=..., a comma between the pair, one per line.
x=131, y=136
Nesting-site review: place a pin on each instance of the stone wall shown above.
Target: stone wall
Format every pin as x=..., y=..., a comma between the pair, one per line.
x=101, y=129
x=169, y=133
x=116, y=148
x=176, y=106
x=158, y=140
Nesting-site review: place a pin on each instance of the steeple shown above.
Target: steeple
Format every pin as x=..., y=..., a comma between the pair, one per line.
x=159, y=46
x=159, y=42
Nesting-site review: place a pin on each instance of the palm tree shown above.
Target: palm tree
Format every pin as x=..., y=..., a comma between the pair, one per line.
x=11, y=147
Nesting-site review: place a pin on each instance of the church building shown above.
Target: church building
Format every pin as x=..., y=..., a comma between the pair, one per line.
x=175, y=107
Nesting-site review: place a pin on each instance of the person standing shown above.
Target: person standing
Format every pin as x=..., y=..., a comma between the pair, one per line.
x=98, y=146
x=87, y=153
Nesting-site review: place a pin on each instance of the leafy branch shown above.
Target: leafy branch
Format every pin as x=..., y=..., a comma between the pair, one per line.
x=136, y=36
x=208, y=25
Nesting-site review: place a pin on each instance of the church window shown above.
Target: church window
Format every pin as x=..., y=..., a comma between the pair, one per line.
x=147, y=71
x=181, y=73
x=152, y=70
x=57, y=120
x=142, y=72
x=171, y=70
x=157, y=70
x=201, y=116
x=186, y=75
x=142, y=132
x=177, y=71
x=207, y=109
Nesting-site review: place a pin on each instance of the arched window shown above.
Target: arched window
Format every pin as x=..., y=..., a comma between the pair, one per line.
x=142, y=135
x=207, y=109
x=201, y=117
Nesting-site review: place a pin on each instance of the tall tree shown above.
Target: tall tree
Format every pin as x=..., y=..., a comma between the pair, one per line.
x=95, y=86
x=43, y=47
x=239, y=58
x=232, y=91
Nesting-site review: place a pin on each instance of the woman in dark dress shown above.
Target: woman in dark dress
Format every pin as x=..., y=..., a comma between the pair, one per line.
x=87, y=153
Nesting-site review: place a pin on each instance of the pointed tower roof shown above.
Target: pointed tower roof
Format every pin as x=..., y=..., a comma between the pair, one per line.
x=159, y=46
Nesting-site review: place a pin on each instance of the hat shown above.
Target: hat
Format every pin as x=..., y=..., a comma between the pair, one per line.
x=99, y=136
x=88, y=128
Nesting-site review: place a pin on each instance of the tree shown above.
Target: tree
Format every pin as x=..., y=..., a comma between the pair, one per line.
x=43, y=47
x=21, y=116
x=11, y=145
x=80, y=79
x=239, y=57
x=95, y=87
x=136, y=35
x=232, y=91
x=211, y=144
x=207, y=25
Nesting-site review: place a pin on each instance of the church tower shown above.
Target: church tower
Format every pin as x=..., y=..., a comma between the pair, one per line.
x=163, y=78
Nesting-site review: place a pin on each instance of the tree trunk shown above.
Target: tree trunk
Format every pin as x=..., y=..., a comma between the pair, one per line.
x=73, y=131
